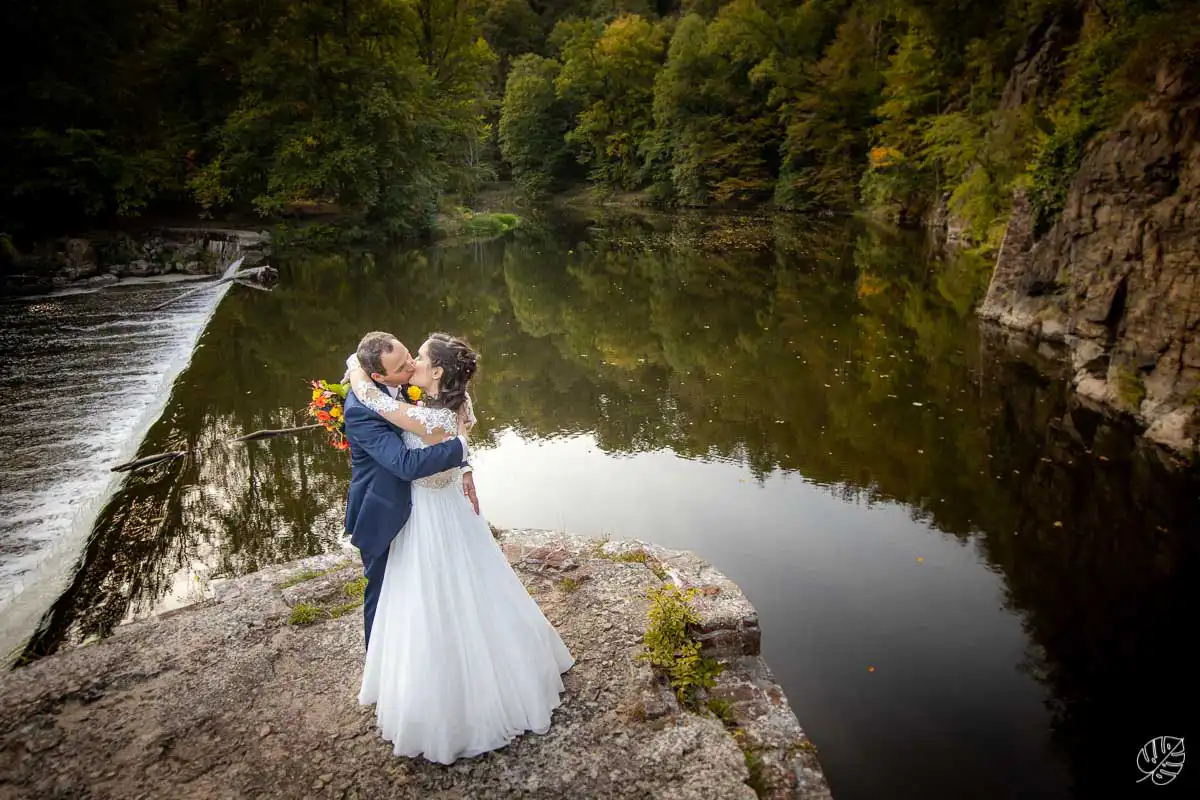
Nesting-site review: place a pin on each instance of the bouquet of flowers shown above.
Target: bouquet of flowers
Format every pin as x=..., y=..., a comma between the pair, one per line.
x=326, y=408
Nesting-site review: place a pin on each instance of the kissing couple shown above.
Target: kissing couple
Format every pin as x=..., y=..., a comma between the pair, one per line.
x=460, y=659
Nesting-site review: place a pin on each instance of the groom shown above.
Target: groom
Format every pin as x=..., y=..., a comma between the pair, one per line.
x=382, y=468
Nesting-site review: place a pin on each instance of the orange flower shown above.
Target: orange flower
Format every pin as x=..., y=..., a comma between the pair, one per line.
x=326, y=407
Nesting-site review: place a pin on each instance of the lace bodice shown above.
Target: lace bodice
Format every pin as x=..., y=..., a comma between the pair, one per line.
x=432, y=418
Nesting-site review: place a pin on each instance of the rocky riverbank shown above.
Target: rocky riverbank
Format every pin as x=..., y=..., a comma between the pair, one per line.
x=107, y=258
x=253, y=694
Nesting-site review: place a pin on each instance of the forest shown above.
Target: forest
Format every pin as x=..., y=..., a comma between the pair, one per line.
x=381, y=109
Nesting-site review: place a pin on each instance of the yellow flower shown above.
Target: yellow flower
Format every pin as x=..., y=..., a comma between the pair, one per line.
x=414, y=393
x=335, y=412
x=318, y=394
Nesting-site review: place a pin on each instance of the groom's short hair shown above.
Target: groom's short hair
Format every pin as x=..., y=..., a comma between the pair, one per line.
x=372, y=348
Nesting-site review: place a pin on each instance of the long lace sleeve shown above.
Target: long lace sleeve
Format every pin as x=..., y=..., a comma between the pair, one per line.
x=419, y=421
x=367, y=392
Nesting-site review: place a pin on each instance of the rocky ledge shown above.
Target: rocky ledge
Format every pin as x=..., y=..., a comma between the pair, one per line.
x=253, y=693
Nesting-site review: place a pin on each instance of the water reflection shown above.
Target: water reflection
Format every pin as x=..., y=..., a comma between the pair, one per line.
x=833, y=362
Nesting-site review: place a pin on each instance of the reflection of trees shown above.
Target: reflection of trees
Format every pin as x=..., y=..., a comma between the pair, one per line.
x=834, y=350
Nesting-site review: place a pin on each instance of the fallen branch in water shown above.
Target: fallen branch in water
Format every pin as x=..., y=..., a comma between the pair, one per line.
x=147, y=461
x=263, y=274
x=158, y=458
x=250, y=437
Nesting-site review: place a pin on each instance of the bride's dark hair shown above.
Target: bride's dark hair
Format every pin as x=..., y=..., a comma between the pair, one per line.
x=458, y=362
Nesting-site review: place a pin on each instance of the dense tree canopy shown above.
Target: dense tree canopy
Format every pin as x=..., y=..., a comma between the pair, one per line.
x=379, y=107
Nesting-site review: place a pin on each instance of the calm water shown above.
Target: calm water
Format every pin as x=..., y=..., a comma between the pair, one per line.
x=969, y=587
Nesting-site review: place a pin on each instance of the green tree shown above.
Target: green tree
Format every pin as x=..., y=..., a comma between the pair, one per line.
x=825, y=145
x=608, y=71
x=534, y=123
x=375, y=111
x=713, y=133
x=898, y=179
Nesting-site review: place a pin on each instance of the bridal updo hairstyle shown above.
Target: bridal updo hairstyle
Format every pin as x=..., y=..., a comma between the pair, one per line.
x=458, y=362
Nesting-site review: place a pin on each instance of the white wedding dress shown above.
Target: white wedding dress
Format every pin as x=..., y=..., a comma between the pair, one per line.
x=462, y=660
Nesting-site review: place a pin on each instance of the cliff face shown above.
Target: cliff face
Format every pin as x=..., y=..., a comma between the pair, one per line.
x=1117, y=278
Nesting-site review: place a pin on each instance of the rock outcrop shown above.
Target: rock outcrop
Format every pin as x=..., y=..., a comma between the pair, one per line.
x=1117, y=278
x=230, y=699
x=105, y=259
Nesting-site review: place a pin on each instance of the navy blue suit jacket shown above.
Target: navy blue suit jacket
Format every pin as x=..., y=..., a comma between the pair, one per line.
x=382, y=469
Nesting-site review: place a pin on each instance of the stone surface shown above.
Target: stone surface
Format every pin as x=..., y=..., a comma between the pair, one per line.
x=1038, y=69
x=226, y=699
x=1117, y=278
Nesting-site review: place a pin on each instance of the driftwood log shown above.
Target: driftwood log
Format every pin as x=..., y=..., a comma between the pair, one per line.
x=160, y=458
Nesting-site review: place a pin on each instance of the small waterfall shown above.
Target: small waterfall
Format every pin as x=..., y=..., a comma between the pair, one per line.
x=84, y=376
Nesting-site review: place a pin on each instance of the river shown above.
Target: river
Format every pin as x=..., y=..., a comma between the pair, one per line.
x=968, y=583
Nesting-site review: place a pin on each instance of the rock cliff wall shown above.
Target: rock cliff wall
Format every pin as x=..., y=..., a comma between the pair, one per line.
x=1117, y=278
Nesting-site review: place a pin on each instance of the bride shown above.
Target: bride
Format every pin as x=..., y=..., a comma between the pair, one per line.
x=461, y=660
